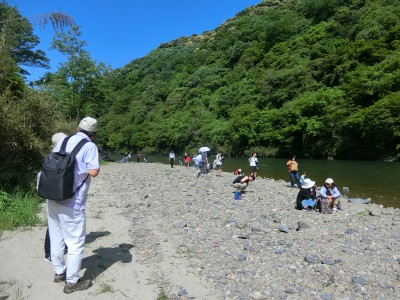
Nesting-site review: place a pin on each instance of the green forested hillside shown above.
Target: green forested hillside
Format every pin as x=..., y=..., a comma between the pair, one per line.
x=312, y=77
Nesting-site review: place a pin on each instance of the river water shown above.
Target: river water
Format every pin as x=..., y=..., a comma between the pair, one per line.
x=365, y=179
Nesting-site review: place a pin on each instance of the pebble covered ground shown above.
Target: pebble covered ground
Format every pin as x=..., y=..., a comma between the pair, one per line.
x=258, y=247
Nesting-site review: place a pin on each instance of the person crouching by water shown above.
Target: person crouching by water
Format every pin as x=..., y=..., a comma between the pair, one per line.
x=331, y=193
x=238, y=172
x=241, y=182
x=307, y=195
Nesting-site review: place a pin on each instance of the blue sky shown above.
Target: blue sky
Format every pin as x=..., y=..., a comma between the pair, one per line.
x=119, y=31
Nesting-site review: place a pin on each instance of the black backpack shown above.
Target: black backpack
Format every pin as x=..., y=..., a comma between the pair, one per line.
x=56, y=180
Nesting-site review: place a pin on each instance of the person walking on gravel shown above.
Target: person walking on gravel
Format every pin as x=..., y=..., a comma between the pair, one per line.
x=67, y=219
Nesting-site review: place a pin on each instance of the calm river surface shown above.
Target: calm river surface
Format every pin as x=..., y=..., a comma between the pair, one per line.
x=365, y=179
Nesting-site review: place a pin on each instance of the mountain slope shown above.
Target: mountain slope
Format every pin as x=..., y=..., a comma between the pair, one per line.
x=314, y=78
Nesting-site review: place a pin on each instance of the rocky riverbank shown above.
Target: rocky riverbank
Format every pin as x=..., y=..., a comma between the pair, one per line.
x=189, y=238
x=259, y=247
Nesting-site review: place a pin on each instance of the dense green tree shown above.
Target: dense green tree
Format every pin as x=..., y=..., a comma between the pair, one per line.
x=26, y=126
x=77, y=83
x=316, y=78
x=318, y=10
x=20, y=41
x=377, y=125
x=28, y=118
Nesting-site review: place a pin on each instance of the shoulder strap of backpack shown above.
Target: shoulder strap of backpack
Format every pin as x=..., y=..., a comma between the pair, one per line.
x=64, y=144
x=78, y=147
x=81, y=184
x=74, y=152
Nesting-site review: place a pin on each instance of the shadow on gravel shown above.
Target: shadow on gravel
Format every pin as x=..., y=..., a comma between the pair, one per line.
x=103, y=258
x=91, y=237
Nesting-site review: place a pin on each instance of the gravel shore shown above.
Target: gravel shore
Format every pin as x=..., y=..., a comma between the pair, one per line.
x=155, y=230
x=258, y=247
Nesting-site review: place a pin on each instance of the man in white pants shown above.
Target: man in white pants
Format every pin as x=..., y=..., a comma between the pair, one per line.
x=66, y=219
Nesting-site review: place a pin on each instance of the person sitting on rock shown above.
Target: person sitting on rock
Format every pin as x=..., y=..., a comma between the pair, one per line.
x=241, y=182
x=331, y=193
x=307, y=195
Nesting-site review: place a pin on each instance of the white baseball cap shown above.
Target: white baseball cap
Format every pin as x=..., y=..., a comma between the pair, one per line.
x=329, y=180
x=88, y=124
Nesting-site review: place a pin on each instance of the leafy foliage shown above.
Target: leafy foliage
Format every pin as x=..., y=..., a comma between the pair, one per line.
x=313, y=78
x=18, y=209
x=77, y=85
x=28, y=118
x=310, y=77
x=26, y=127
x=20, y=39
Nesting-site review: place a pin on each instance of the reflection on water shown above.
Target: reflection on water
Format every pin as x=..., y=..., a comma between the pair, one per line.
x=356, y=179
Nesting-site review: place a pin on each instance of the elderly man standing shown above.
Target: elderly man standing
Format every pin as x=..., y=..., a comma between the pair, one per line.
x=66, y=219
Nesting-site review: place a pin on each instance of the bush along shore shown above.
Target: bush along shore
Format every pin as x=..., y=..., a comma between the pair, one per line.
x=206, y=245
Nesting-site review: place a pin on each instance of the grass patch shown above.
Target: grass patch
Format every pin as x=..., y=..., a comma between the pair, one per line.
x=162, y=295
x=106, y=288
x=103, y=163
x=365, y=212
x=363, y=215
x=18, y=210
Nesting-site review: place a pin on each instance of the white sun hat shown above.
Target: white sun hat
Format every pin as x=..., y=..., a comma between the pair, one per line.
x=308, y=183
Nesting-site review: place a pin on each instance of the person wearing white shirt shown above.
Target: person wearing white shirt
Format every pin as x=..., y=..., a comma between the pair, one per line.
x=330, y=192
x=218, y=163
x=253, y=160
x=172, y=158
x=67, y=219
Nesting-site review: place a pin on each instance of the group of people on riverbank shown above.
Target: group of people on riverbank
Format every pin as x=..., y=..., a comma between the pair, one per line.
x=199, y=161
x=127, y=157
x=307, y=199
x=327, y=200
x=66, y=219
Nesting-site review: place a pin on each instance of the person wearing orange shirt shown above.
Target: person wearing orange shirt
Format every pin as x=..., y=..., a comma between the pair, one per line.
x=293, y=168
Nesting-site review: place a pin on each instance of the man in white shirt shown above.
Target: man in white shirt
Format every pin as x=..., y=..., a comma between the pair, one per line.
x=67, y=219
x=172, y=158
